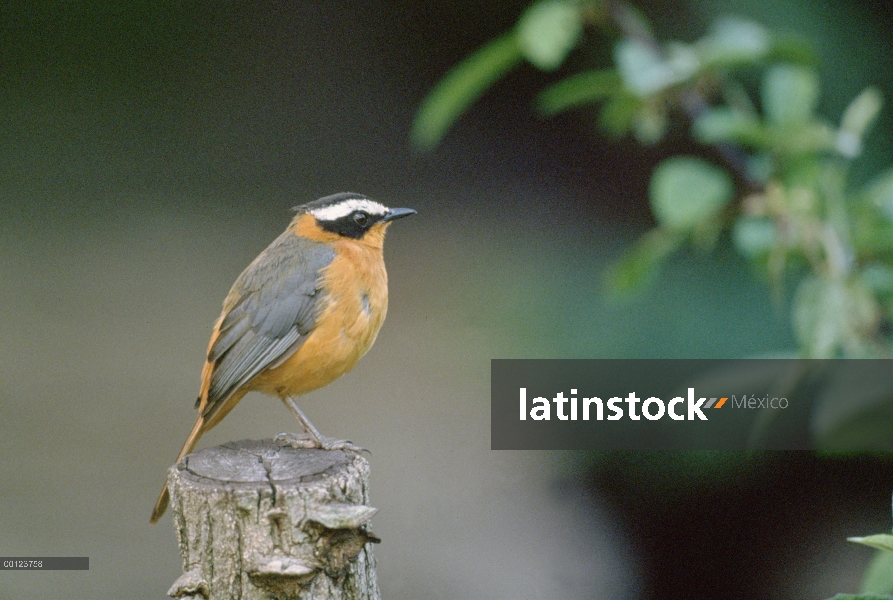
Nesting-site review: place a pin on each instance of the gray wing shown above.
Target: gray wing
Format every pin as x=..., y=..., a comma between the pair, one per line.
x=269, y=312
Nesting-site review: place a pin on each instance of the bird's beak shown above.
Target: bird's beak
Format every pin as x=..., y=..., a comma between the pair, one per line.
x=397, y=213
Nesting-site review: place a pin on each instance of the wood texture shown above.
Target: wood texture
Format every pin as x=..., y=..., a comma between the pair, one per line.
x=260, y=520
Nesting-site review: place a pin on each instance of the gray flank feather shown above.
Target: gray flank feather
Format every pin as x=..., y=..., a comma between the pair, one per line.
x=272, y=307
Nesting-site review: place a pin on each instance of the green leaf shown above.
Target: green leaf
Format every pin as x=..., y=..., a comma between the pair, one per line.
x=807, y=138
x=872, y=235
x=733, y=41
x=644, y=69
x=862, y=111
x=754, y=236
x=721, y=124
x=581, y=89
x=831, y=315
x=878, y=576
x=548, y=31
x=789, y=93
x=879, y=192
x=464, y=84
x=878, y=277
x=640, y=263
x=881, y=541
x=619, y=113
x=793, y=49
x=685, y=191
x=857, y=118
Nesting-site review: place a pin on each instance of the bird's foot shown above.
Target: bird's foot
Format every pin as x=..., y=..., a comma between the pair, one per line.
x=306, y=440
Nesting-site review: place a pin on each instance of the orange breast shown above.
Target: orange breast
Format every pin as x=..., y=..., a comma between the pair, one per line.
x=355, y=307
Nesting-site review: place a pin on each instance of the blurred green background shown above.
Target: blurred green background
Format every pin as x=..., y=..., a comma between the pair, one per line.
x=149, y=150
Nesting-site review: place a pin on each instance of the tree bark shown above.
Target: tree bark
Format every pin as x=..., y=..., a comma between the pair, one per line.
x=260, y=520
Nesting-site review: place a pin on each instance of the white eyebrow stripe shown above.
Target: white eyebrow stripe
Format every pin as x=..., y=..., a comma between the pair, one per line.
x=342, y=209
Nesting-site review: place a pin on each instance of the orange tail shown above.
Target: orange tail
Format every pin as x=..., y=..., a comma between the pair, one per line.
x=189, y=446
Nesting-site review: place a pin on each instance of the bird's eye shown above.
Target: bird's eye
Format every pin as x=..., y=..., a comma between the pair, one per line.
x=360, y=218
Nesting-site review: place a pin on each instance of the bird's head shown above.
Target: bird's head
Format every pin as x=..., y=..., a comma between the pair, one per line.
x=346, y=216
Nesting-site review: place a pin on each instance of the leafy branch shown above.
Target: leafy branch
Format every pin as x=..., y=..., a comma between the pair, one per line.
x=781, y=187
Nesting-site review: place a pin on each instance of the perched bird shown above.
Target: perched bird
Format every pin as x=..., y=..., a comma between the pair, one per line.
x=300, y=316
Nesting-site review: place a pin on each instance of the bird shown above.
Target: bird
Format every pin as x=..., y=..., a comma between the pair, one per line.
x=299, y=316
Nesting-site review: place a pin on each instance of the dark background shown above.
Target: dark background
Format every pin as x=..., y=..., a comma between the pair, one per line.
x=148, y=151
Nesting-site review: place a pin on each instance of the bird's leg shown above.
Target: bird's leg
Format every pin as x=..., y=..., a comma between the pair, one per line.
x=312, y=438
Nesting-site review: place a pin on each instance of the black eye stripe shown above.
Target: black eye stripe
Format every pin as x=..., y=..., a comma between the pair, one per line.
x=353, y=225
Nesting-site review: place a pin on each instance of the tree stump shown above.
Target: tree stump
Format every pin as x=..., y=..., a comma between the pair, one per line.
x=259, y=519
